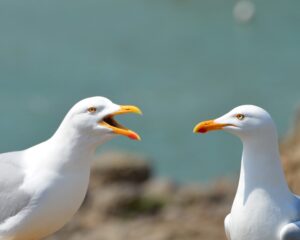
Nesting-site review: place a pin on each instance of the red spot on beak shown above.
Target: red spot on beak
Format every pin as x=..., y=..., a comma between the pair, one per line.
x=202, y=130
x=134, y=136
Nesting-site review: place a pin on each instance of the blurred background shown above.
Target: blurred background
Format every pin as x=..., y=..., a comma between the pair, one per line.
x=180, y=61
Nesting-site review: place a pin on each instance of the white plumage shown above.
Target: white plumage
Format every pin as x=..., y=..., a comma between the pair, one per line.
x=263, y=208
x=42, y=187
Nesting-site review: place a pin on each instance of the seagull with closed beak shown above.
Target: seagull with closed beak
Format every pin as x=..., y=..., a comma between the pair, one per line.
x=264, y=208
x=42, y=187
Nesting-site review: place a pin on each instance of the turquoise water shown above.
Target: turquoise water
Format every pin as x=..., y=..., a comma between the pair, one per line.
x=181, y=61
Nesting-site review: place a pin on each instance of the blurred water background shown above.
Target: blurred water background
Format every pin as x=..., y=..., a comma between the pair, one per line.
x=181, y=61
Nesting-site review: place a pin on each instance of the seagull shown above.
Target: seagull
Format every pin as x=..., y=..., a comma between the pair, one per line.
x=42, y=187
x=264, y=208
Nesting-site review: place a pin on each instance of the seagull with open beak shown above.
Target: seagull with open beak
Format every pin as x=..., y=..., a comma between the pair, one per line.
x=42, y=187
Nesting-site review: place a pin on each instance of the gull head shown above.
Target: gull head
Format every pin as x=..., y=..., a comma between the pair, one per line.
x=95, y=116
x=244, y=121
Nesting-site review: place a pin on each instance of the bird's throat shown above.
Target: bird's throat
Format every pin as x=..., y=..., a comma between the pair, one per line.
x=261, y=169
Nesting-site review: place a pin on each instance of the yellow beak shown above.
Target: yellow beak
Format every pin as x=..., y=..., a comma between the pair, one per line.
x=128, y=109
x=116, y=127
x=209, y=125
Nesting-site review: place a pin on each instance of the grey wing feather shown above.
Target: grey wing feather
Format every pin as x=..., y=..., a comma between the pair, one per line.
x=12, y=198
x=290, y=231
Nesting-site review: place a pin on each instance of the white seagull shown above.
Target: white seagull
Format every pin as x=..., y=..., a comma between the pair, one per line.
x=264, y=208
x=42, y=187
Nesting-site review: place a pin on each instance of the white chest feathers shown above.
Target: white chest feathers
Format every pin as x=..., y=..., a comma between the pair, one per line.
x=260, y=216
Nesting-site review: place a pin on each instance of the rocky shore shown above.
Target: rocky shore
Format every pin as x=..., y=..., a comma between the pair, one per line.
x=125, y=201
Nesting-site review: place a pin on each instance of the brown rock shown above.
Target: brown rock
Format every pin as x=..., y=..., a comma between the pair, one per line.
x=120, y=167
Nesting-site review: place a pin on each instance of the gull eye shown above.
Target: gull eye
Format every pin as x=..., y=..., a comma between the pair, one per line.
x=240, y=116
x=92, y=109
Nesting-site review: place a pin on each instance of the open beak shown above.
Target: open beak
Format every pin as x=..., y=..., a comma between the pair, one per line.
x=209, y=125
x=116, y=127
